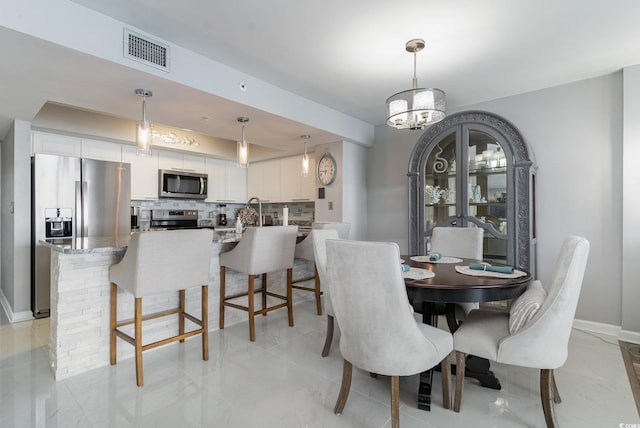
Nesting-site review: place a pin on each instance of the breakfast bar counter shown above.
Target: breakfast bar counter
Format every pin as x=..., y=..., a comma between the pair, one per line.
x=80, y=295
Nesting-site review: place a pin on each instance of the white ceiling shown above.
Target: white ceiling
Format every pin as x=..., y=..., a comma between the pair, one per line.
x=347, y=55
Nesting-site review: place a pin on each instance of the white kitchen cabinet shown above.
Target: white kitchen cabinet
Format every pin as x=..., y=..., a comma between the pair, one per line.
x=54, y=144
x=227, y=183
x=254, y=179
x=236, y=182
x=216, y=183
x=295, y=187
x=264, y=181
x=180, y=161
x=193, y=163
x=101, y=150
x=144, y=173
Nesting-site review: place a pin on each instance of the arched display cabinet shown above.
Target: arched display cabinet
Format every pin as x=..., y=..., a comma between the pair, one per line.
x=474, y=169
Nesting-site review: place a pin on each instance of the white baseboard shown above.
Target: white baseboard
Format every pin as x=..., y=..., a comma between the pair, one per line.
x=629, y=336
x=17, y=316
x=597, y=327
x=608, y=329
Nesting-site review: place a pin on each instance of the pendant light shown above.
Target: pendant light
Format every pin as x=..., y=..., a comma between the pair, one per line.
x=417, y=107
x=305, y=157
x=144, y=128
x=243, y=146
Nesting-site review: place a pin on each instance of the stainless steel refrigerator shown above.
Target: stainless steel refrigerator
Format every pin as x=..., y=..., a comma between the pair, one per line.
x=73, y=198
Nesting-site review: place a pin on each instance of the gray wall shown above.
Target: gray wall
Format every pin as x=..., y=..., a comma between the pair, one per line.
x=575, y=133
x=16, y=225
x=631, y=202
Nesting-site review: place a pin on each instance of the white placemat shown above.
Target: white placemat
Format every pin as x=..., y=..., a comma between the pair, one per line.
x=443, y=259
x=401, y=261
x=417, y=273
x=466, y=270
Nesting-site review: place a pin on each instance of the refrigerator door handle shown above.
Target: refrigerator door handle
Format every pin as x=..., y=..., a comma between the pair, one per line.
x=81, y=216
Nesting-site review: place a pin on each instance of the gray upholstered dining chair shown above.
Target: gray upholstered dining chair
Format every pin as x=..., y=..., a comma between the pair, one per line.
x=320, y=253
x=161, y=262
x=464, y=242
x=261, y=250
x=535, y=333
x=304, y=251
x=378, y=331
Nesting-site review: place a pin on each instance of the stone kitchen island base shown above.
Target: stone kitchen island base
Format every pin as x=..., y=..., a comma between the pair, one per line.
x=80, y=295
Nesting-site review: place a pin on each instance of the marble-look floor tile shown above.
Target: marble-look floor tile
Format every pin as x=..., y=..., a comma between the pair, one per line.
x=281, y=380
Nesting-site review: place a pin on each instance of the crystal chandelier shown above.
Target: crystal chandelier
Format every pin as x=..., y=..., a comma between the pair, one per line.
x=417, y=107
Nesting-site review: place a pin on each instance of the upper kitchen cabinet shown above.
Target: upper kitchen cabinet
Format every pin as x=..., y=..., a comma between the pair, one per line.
x=180, y=161
x=101, y=150
x=144, y=173
x=54, y=144
x=473, y=169
x=227, y=183
x=236, y=182
x=295, y=187
x=263, y=181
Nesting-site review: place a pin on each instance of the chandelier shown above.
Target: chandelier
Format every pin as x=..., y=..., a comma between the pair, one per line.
x=417, y=107
x=243, y=146
x=143, y=127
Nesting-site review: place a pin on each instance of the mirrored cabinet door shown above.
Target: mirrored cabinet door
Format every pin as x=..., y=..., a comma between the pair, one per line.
x=474, y=170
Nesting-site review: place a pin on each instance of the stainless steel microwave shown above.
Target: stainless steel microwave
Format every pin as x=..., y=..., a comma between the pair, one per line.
x=182, y=184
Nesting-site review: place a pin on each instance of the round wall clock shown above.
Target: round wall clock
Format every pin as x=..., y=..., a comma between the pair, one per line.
x=327, y=169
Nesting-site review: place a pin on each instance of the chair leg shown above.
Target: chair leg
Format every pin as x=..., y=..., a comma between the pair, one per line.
x=318, y=292
x=181, y=314
x=264, y=294
x=556, y=393
x=251, y=308
x=445, y=370
x=347, y=368
x=138, y=340
x=290, y=295
x=395, y=402
x=460, y=366
x=222, y=285
x=329, y=338
x=546, y=395
x=205, y=322
x=114, y=314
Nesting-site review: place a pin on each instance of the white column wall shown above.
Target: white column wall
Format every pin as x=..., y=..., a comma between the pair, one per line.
x=16, y=222
x=631, y=205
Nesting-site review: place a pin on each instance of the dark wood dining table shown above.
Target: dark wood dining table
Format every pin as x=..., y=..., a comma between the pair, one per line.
x=447, y=288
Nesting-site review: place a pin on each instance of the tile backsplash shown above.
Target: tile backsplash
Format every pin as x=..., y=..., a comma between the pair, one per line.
x=302, y=213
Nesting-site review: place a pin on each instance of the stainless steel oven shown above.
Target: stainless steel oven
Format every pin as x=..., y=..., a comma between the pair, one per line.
x=174, y=219
x=182, y=184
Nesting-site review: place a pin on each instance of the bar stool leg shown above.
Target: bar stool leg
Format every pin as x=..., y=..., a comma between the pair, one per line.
x=223, y=270
x=114, y=314
x=264, y=294
x=181, y=315
x=290, y=295
x=138, y=340
x=205, y=322
x=250, y=304
x=318, y=292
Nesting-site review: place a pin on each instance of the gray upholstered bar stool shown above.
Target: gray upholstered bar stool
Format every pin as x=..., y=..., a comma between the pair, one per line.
x=305, y=251
x=161, y=262
x=261, y=250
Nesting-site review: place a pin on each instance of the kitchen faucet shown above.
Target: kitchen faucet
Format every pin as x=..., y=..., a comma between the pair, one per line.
x=259, y=208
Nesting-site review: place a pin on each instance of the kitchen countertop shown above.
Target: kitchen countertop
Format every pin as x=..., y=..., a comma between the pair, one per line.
x=111, y=243
x=107, y=244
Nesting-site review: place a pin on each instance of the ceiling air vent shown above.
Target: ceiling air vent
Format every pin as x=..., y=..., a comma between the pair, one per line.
x=145, y=50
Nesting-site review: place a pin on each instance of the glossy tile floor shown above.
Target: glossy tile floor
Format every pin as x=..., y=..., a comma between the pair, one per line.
x=282, y=381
